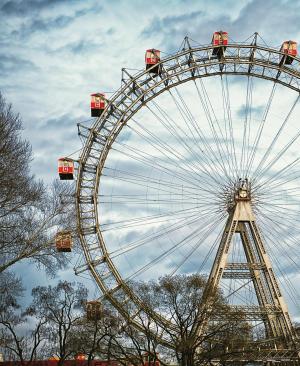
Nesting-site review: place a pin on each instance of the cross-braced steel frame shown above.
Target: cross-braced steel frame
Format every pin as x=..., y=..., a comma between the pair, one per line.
x=272, y=309
x=137, y=90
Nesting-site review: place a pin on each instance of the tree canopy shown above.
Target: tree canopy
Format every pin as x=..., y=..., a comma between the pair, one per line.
x=29, y=212
x=61, y=323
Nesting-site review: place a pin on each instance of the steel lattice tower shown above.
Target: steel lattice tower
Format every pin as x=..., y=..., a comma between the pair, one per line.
x=272, y=310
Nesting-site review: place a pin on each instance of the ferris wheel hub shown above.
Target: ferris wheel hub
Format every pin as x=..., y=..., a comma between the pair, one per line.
x=239, y=191
x=243, y=190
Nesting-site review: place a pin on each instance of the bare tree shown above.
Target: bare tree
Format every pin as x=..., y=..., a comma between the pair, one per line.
x=129, y=345
x=92, y=336
x=29, y=213
x=116, y=338
x=60, y=314
x=180, y=297
x=19, y=341
x=61, y=308
x=21, y=337
x=10, y=289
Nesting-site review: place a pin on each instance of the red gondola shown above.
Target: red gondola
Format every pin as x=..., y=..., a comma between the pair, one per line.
x=289, y=48
x=219, y=39
x=63, y=241
x=152, y=57
x=66, y=168
x=94, y=310
x=98, y=104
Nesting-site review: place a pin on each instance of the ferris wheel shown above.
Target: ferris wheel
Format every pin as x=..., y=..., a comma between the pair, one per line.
x=170, y=154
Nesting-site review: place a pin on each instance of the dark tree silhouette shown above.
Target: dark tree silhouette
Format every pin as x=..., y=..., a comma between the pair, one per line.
x=29, y=213
x=180, y=297
x=60, y=308
x=116, y=338
x=18, y=340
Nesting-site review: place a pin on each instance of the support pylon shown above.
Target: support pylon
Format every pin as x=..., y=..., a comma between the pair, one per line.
x=271, y=309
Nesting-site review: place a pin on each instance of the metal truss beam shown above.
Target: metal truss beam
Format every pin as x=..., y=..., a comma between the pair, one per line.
x=272, y=308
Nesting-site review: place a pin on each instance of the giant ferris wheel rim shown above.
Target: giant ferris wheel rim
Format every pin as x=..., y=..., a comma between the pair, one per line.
x=179, y=68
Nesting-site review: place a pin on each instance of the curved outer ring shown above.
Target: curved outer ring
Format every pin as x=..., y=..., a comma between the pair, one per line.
x=136, y=91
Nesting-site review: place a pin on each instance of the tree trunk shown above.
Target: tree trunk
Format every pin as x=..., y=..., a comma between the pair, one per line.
x=187, y=358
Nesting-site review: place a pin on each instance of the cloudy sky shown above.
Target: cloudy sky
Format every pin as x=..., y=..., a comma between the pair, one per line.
x=54, y=54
